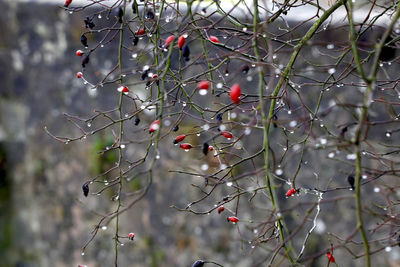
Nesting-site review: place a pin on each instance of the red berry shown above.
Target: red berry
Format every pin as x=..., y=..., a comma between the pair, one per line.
x=181, y=41
x=210, y=148
x=154, y=126
x=169, y=40
x=220, y=209
x=131, y=236
x=330, y=257
x=291, y=192
x=141, y=32
x=79, y=53
x=82, y=265
x=79, y=74
x=233, y=219
x=226, y=134
x=179, y=138
x=186, y=146
x=235, y=93
x=123, y=89
x=203, y=85
x=67, y=3
x=155, y=76
x=214, y=39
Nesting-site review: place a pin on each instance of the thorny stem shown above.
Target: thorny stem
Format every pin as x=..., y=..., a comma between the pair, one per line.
x=276, y=91
x=370, y=81
x=265, y=131
x=121, y=126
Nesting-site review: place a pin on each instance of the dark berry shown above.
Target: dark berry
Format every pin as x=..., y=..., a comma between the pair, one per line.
x=85, y=189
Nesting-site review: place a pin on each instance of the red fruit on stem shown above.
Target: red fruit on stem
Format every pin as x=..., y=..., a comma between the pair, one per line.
x=203, y=85
x=186, y=146
x=79, y=74
x=214, y=39
x=220, y=209
x=155, y=76
x=226, y=134
x=181, y=41
x=141, y=32
x=154, y=126
x=291, y=192
x=123, y=89
x=210, y=148
x=233, y=219
x=67, y=3
x=179, y=138
x=235, y=93
x=169, y=40
x=131, y=236
x=79, y=53
x=330, y=257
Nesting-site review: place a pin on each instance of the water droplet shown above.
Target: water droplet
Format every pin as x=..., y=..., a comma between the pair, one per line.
x=380, y=64
x=249, y=78
x=206, y=127
x=289, y=112
x=101, y=45
x=222, y=127
x=223, y=166
x=377, y=189
x=99, y=16
x=330, y=46
x=278, y=171
x=244, y=29
x=198, y=134
x=364, y=176
x=219, y=85
x=204, y=167
x=331, y=70
x=388, y=249
x=83, y=253
x=293, y=124
x=388, y=134
x=158, y=156
x=184, y=104
x=229, y=184
x=122, y=146
x=203, y=91
x=323, y=141
x=247, y=131
x=331, y=155
x=134, y=55
x=104, y=228
x=187, y=150
x=351, y=156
